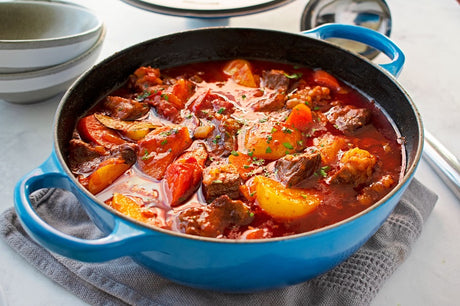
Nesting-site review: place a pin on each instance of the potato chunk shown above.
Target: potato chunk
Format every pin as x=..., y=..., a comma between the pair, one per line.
x=272, y=141
x=284, y=203
x=329, y=147
x=135, y=130
x=106, y=175
x=241, y=72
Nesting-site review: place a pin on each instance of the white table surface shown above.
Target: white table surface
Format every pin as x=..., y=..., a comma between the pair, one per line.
x=428, y=33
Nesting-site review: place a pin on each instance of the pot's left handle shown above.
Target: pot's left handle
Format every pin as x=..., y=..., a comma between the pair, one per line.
x=122, y=241
x=366, y=36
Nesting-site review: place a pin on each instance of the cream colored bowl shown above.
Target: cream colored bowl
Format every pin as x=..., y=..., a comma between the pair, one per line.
x=34, y=86
x=38, y=34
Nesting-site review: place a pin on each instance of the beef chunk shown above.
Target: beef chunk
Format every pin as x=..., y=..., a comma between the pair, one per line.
x=270, y=101
x=207, y=104
x=347, y=118
x=275, y=85
x=164, y=108
x=228, y=129
x=125, y=109
x=83, y=157
x=376, y=190
x=275, y=79
x=356, y=167
x=213, y=219
x=221, y=179
x=126, y=152
x=293, y=169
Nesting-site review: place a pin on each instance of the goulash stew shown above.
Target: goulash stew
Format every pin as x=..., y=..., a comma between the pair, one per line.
x=236, y=149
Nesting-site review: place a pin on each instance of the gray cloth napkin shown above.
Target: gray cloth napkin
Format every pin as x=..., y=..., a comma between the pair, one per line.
x=119, y=282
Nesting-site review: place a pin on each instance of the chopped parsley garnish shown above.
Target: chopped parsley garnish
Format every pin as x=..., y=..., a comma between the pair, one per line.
x=258, y=162
x=146, y=155
x=216, y=138
x=287, y=145
x=144, y=95
x=323, y=171
x=268, y=150
x=295, y=76
x=286, y=130
x=170, y=132
x=263, y=120
x=221, y=110
x=235, y=153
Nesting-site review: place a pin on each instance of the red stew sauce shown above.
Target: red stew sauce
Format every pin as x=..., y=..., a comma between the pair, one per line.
x=236, y=149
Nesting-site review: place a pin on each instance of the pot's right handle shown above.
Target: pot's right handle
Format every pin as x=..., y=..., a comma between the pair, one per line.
x=365, y=36
x=124, y=239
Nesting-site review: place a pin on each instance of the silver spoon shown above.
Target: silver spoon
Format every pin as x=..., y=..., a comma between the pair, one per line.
x=375, y=14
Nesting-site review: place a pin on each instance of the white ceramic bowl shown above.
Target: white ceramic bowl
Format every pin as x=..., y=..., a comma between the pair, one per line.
x=38, y=34
x=34, y=86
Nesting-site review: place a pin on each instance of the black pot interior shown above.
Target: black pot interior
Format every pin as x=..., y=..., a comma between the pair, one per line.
x=229, y=43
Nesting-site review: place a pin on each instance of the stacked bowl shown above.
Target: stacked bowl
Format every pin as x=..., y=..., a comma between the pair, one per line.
x=44, y=47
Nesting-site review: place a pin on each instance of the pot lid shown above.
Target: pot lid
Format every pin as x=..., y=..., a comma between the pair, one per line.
x=207, y=8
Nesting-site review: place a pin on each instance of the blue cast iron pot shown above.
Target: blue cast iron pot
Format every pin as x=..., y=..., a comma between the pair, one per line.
x=208, y=263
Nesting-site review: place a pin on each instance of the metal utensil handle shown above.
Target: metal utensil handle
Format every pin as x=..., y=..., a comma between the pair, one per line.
x=366, y=36
x=443, y=162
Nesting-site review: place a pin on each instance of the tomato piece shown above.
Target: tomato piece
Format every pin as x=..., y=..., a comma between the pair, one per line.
x=241, y=72
x=300, y=117
x=256, y=233
x=106, y=174
x=183, y=176
x=199, y=153
x=326, y=79
x=159, y=148
x=248, y=190
x=281, y=202
x=182, y=179
x=180, y=92
x=209, y=101
x=92, y=130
